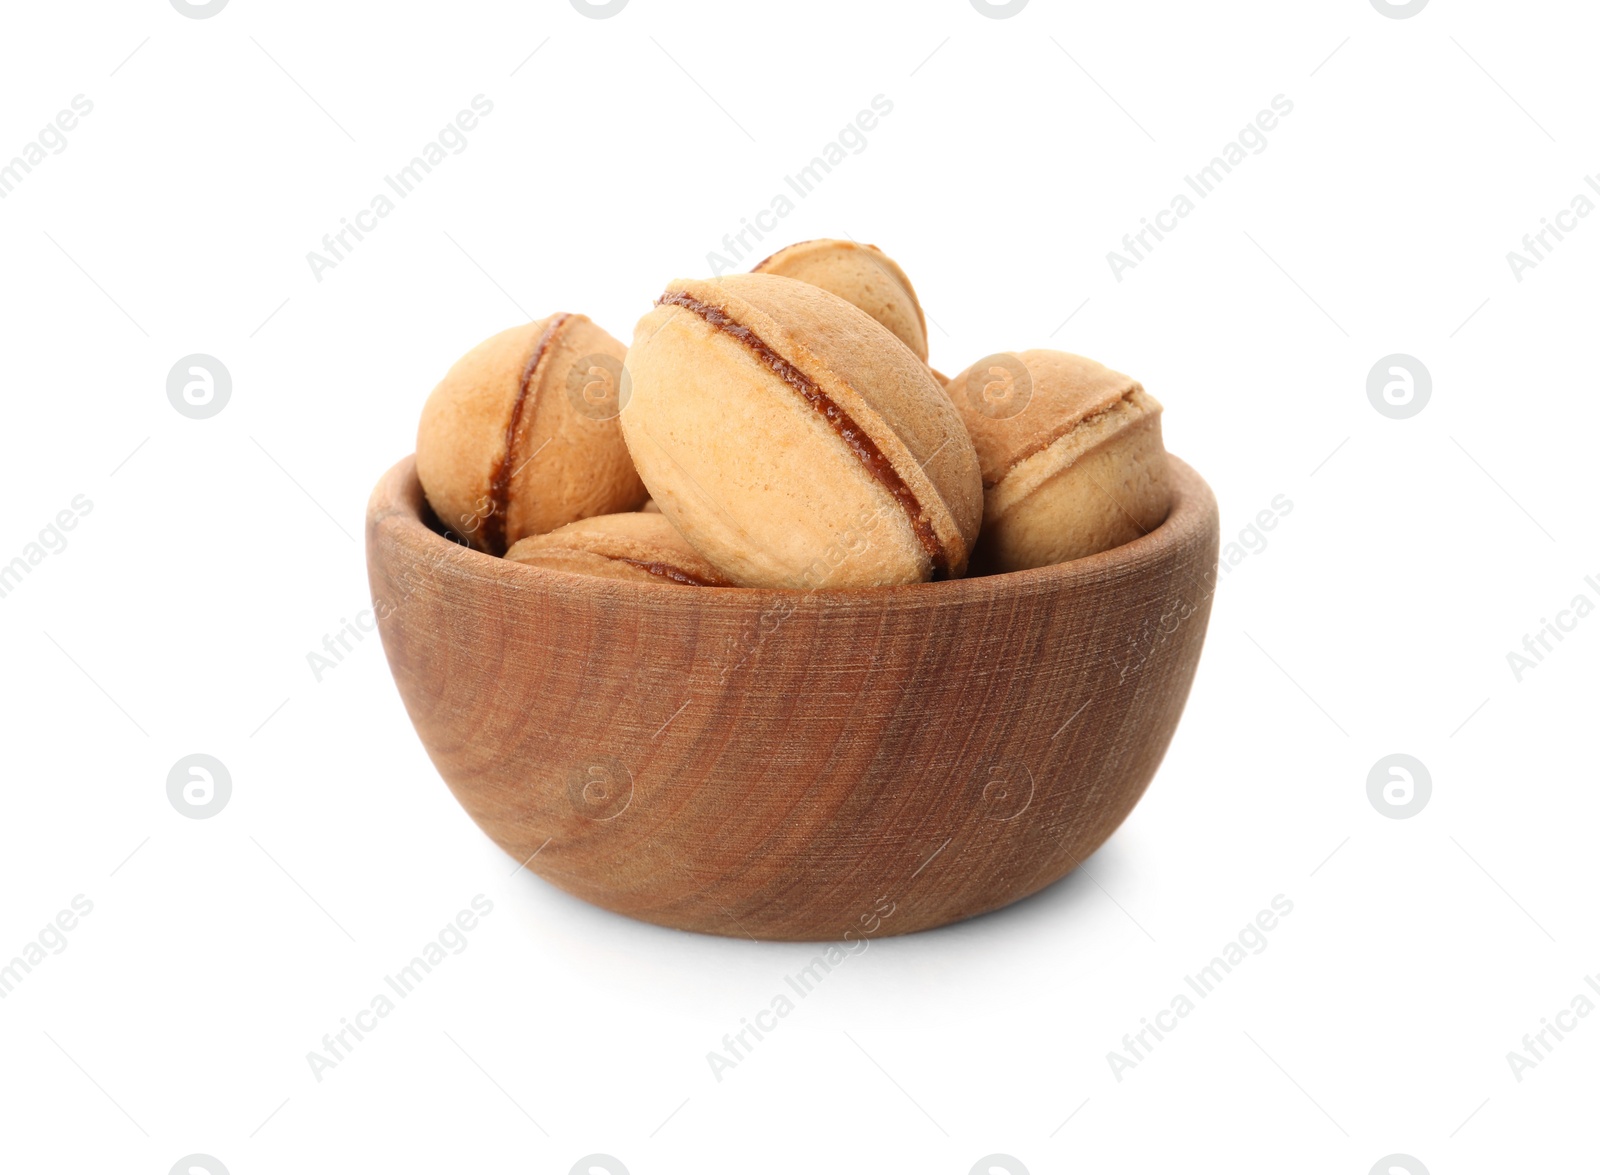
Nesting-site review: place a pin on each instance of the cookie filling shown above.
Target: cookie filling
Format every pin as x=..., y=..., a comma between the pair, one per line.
x=494, y=526
x=848, y=431
x=668, y=571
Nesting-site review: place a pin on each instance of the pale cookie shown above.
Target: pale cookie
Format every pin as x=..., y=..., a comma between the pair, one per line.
x=640, y=547
x=793, y=442
x=521, y=435
x=1071, y=454
x=864, y=276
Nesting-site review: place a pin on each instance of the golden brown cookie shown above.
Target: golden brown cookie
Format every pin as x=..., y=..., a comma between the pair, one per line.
x=863, y=275
x=793, y=442
x=521, y=435
x=1071, y=455
x=640, y=547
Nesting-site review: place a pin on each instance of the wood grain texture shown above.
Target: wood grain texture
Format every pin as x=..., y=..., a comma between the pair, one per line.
x=781, y=764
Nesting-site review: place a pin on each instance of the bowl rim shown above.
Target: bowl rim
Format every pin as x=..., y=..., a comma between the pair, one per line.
x=397, y=503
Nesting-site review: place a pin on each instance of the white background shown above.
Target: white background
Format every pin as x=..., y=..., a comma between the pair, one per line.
x=1378, y=618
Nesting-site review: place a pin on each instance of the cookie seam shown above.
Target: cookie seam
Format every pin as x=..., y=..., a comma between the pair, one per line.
x=1033, y=449
x=668, y=571
x=494, y=526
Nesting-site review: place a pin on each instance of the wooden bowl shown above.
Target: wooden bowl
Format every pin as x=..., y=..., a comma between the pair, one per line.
x=793, y=765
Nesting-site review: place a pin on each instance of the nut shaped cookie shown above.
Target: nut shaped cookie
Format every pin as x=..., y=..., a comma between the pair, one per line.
x=521, y=435
x=793, y=442
x=864, y=276
x=640, y=547
x=1071, y=453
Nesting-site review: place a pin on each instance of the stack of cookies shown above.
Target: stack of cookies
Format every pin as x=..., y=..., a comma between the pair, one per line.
x=782, y=429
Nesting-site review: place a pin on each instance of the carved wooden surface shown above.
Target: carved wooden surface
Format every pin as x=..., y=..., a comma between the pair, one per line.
x=773, y=763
